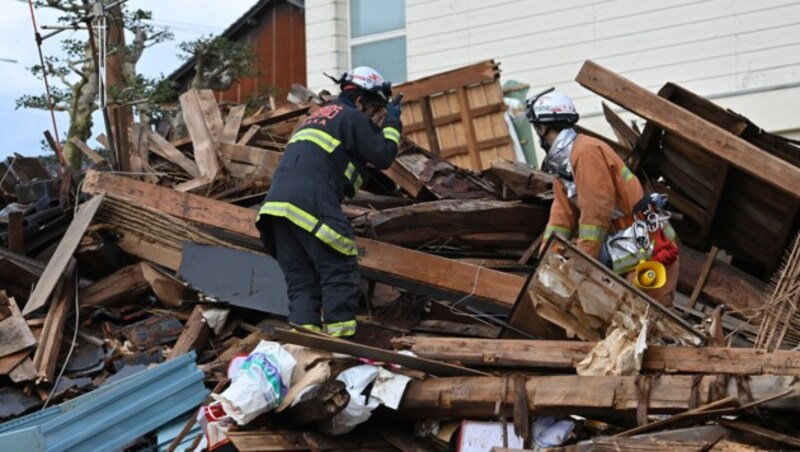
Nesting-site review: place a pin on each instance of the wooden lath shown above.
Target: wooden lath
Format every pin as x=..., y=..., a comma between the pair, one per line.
x=459, y=115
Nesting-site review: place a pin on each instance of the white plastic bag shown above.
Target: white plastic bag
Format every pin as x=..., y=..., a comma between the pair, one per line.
x=360, y=407
x=260, y=384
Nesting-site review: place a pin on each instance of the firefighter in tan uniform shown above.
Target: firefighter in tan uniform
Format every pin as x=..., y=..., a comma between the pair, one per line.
x=598, y=197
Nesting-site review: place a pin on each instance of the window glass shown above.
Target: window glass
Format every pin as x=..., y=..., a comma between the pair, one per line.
x=369, y=17
x=387, y=57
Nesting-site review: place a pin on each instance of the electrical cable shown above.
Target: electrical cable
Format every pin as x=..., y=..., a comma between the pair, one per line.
x=38, y=38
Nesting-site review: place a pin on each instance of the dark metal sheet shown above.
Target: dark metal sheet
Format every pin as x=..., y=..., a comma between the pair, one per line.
x=241, y=278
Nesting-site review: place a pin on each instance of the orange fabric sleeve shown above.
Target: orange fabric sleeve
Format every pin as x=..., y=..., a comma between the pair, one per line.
x=563, y=215
x=594, y=181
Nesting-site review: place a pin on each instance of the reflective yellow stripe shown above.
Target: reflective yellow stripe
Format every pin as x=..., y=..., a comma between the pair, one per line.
x=359, y=183
x=312, y=328
x=337, y=241
x=318, y=137
x=391, y=134
x=348, y=173
x=340, y=329
x=549, y=230
x=626, y=173
x=291, y=212
x=591, y=232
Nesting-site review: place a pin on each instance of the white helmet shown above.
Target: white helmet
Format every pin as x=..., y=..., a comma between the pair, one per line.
x=366, y=78
x=551, y=106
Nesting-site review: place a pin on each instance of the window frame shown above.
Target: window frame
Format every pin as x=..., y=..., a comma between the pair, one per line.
x=372, y=38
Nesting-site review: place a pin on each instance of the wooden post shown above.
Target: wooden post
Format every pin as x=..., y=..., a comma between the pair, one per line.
x=701, y=281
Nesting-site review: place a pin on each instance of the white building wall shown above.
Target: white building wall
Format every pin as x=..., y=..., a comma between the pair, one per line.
x=327, y=48
x=744, y=54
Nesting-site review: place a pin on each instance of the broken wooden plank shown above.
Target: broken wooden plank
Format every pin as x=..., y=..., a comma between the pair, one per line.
x=96, y=158
x=583, y=396
x=284, y=440
x=564, y=355
x=124, y=284
x=447, y=81
x=249, y=135
x=194, y=335
x=381, y=261
x=15, y=334
x=232, y=123
x=731, y=148
x=194, y=184
x=67, y=246
x=46, y=355
x=420, y=223
x=364, y=351
x=701, y=281
x=516, y=180
x=274, y=117
x=9, y=362
x=761, y=432
x=625, y=135
x=201, y=132
x=163, y=148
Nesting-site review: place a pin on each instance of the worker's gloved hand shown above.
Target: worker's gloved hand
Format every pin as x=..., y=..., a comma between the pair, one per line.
x=393, y=109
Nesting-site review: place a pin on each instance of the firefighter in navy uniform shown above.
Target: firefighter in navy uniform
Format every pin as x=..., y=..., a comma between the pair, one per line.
x=301, y=221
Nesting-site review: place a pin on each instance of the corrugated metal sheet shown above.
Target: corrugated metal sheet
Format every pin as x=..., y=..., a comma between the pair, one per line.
x=112, y=416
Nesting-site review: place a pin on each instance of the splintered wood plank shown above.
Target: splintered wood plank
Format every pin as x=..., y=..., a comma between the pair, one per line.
x=193, y=337
x=194, y=184
x=87, y=151
x=251, y=155
x=66, y=248
x=15, y=334
x=201, y=133
x=232, y=123
x=447, y=81
x=124, y=284
x=697, y=130
x=211, y=113
x=625, y=134
x=46, y=355
x=163, y=148
x=249, y=135
x=138, y=139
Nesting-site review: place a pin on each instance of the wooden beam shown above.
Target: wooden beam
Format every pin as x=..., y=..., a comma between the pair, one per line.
x=194, y=335
x=447, y=81
x=335, y=345
x=124, y=284
x=380, y=261
x=564, y=355
x=250, y=155
x=46, y=355
x=16, y=232
x=699, y=131
x=457, y=397
x=420, y=223
x=96, y=158
x=163, y=148
x=201, y=132
x=701, y=281
x=522, y=180
x=58, y=263
x=232, y=123
x=625, y=135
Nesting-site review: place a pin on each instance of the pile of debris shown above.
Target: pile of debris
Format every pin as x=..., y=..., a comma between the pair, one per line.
x=146, y=314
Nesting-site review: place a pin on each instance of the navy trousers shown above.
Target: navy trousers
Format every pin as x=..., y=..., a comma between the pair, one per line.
x=323, y=284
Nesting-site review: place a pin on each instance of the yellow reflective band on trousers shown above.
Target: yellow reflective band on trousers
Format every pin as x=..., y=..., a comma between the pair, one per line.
x=296, y=215
x=351, y=169
x=548, y=231
x=341, y=329
x=591, y=232
x=626, y=174
x=391, y=134
x=326, y=141
x=312, y=328
x=308, y=222
x=336, y=241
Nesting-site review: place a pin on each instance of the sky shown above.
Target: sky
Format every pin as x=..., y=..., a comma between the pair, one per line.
x=21, y=130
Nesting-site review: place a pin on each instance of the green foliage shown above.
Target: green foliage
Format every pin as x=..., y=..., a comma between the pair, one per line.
x=219, y=61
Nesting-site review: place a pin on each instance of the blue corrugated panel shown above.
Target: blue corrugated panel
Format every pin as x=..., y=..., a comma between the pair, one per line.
x=110, y=417
x=169, y=432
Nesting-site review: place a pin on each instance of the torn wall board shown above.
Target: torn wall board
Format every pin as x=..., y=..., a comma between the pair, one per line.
x=241, y=278
x=582, y=296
